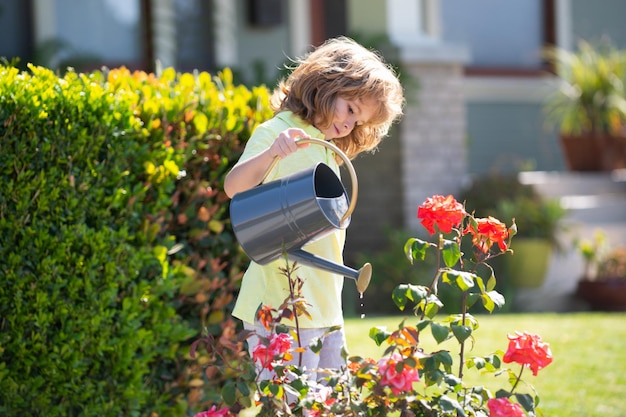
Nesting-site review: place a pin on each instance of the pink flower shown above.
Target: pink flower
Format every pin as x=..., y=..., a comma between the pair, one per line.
x=323, y=397
x=528, y=350
x=398, y=380
x=502, y=407
x=278, y=347
x=214, y=412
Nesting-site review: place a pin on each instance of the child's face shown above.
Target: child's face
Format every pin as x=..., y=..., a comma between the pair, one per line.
x=347, y=115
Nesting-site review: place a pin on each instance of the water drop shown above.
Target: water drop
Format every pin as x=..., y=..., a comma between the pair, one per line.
x=361, y=298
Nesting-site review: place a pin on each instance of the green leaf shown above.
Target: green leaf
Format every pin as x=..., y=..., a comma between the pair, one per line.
x=399, y=296
x=472, y=298
x=276, y=390
x=433, y=376
x=459, y=279
x=526, y=401
x=316, y=345
x=433, y=304
x=502, y=393
x=449, y=405
x=491, y=299
x=480, y=283
x=443, y=357
x=487, y=303
x=491, y=282
x=229, y=393
x=379, y=335
x=404, y=292
x=479, y=363
x=451, y=253
x=461, y=332
x=415, y=249
x=453, y=380
x=243, y=388
x=440, y=332
x=422, y=324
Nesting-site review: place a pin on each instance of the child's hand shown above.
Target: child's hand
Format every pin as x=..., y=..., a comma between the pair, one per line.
x=286, y=143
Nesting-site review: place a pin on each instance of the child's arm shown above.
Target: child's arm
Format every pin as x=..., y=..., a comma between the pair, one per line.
x=249, y=173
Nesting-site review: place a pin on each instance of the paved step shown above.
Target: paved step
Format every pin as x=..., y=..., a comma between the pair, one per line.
x=596, y=197
x=555, y=184
x=595, y=209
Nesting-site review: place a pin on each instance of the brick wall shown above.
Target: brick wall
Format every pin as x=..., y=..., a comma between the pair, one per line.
x=433, y=132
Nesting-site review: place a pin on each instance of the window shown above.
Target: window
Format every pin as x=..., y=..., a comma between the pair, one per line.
x=15, y=31
x=502, y=36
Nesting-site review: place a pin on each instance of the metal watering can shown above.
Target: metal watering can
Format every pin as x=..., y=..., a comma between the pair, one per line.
x=282, y=216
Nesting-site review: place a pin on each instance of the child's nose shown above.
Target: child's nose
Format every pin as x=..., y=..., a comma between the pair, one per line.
x=350, y=122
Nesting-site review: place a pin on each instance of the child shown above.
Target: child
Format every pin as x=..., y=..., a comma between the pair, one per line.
x=343, y=93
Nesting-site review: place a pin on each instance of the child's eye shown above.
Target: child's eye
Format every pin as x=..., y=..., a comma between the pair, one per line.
x=350, y=110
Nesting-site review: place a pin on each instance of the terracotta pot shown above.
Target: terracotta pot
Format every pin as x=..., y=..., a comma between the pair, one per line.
x=594, y=153
x=614, y=152
x=607, y=294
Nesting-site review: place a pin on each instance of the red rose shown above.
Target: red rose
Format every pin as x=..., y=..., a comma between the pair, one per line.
x=528, y=350
x=487, y=232
x=440, y=211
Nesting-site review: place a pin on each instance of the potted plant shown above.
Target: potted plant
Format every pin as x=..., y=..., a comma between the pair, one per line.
x=603, y=283
x=589, y=105
x=538, y=220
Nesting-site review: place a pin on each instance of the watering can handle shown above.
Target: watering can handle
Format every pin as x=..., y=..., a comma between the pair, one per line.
x=346, y=160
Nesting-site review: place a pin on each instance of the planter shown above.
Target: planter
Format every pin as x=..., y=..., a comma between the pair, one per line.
x=607, y=294
x=528, y=266
x=594, y=153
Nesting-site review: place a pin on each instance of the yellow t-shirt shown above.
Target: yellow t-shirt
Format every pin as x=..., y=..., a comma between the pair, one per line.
x=265, y=284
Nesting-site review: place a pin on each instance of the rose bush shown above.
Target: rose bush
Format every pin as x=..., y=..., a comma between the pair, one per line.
x=407, y=380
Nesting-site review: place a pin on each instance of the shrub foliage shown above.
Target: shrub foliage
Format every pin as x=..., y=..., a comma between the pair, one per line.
x=115, y=246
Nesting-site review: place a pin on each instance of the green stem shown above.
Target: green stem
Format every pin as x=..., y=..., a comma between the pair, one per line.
x=462, y=350
x=519, y=378
x=295, y=311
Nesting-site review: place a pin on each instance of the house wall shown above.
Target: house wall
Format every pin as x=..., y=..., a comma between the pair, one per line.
x=109, y=29
x=594, y=19
x=367, y=16
x=261, y=49
x=508, y=136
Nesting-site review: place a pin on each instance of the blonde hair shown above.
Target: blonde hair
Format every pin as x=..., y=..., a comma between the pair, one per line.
x=342, y=68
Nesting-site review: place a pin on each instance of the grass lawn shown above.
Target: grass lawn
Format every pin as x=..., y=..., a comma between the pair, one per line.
x=586, y=379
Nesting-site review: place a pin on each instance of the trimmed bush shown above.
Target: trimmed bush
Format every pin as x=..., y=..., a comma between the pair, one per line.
x=115, y=246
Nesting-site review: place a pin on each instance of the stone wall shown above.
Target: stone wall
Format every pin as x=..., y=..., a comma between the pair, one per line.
x=433, y=132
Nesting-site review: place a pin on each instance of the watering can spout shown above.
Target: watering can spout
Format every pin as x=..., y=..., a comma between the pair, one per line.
x=361, y=276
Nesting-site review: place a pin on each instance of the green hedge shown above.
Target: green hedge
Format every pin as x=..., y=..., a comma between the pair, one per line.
x=115, y=247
